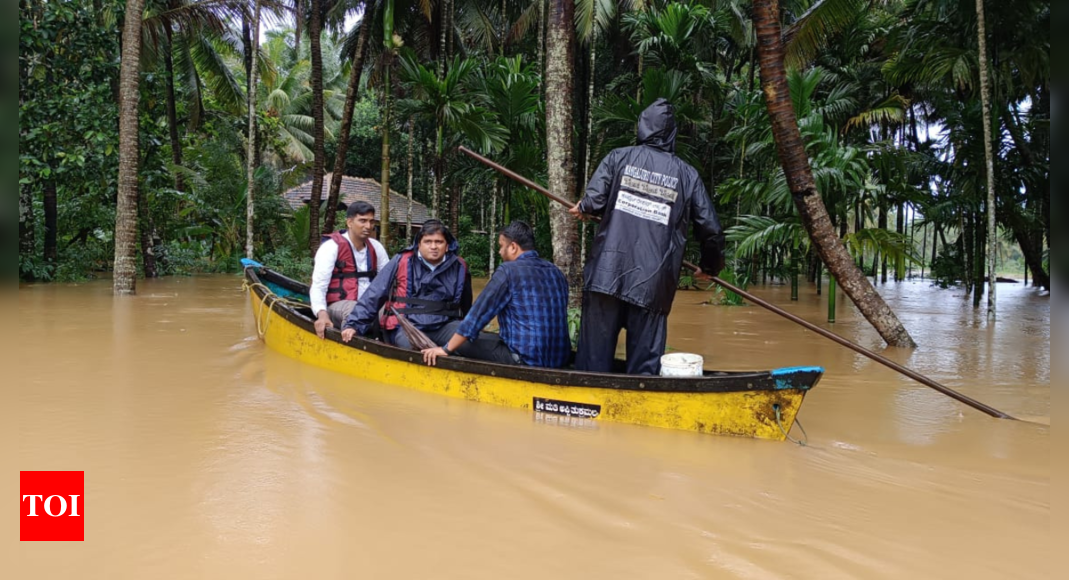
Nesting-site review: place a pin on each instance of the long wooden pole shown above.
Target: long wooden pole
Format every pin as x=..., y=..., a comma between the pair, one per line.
x=793, y=318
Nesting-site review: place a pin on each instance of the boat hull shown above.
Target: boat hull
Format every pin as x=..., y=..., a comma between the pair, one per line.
x=746, y=404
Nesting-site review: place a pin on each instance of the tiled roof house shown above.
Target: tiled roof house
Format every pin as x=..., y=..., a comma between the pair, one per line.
x=361, y=189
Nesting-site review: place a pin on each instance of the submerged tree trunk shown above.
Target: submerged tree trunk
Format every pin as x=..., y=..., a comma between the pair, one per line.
x=51, y=208
x=1028, y=237
x=26, y=226
x=315, y=31
x=250, y=161
x=881, y=223
x=803, y=188
x=351, y=94
x=125, y=280
x=148, y=251
x=1043, y=141
x=560, y=52
x=900, y=228
x=989, y=158
x=979, y=265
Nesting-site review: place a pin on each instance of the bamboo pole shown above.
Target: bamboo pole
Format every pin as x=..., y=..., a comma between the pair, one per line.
x=775, y=309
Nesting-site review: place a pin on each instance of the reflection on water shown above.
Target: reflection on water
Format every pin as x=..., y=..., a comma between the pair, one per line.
x=208, y=456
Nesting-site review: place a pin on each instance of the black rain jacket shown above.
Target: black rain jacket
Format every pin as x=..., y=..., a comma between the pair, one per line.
x=647, y=197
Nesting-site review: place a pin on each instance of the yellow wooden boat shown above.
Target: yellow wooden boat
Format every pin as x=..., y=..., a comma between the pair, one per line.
x=750, y=404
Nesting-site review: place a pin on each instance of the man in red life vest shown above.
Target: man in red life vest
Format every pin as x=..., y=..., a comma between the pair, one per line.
x=345, y=265
x=428, y=282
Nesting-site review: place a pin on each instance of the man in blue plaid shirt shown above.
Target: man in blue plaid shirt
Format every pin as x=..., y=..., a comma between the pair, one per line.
x=529, y=297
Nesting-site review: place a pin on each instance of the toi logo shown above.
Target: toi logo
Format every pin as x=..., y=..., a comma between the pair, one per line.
x=52, y=506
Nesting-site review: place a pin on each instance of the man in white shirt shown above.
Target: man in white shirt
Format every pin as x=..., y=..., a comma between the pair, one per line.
x=344, y=268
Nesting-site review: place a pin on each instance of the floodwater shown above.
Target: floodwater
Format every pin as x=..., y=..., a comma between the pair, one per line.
x=208, y=456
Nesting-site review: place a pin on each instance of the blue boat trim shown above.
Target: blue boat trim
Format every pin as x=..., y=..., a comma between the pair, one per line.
x=784, y=376
x=247, y=263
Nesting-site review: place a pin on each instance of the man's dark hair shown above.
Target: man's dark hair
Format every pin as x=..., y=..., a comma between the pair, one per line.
x=433, y=226
x=359, y=208
x=521, y=233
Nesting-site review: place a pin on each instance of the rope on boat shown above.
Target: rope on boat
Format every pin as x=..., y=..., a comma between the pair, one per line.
x=779, y=423
x=263, y=322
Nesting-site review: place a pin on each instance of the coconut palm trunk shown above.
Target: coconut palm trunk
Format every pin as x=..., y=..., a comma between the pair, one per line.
x=351, y=94
x=560, y=52
x=125, y=279
x=250, y=160
x=315, y=32
x=803, y=188
x=989, y=159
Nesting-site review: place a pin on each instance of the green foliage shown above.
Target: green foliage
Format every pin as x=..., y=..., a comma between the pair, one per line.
x=948, y=268
x=67, y=131
x=295, y=264
x=726, y=297
x=893, y=245
x=575, y=318
x=886, y=96
x=475, y=248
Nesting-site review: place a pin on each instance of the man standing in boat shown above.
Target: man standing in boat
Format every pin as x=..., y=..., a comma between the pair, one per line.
x=646, y=198
x=428, y=282
x=345, y=264
x=529, y=297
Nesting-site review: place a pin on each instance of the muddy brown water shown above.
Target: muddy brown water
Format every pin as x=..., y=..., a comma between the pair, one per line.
x=208, y=456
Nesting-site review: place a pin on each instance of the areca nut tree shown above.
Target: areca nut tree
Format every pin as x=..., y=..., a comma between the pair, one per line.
x=125, y=281
x=359, y=53
x=251, y=158
x=450, y=105
x=389, y=50
x=560, y=157
x=989, y=158
x=315, y=31
x=803, y=188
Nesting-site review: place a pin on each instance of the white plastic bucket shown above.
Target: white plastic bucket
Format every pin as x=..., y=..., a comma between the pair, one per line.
x=681, y=364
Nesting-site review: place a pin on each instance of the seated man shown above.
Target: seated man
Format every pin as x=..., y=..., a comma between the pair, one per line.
x=428, y=283
x=344, y=268
x=529, y=296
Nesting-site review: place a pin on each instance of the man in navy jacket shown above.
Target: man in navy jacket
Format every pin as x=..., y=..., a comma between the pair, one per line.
x=428, y=282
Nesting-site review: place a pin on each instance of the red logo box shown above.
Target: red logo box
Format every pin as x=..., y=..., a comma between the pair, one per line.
x=52, y=506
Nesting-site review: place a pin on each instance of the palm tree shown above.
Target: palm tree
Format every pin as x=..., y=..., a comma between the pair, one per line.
x=358, y=55
x=285, y=95
x=250, y=160
x=387, y=108
x=191, y=31
x=125, y=281
x=315, y=31
x=449, y=103
x=989, y=158
x=802, y=185
x=560, y=56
